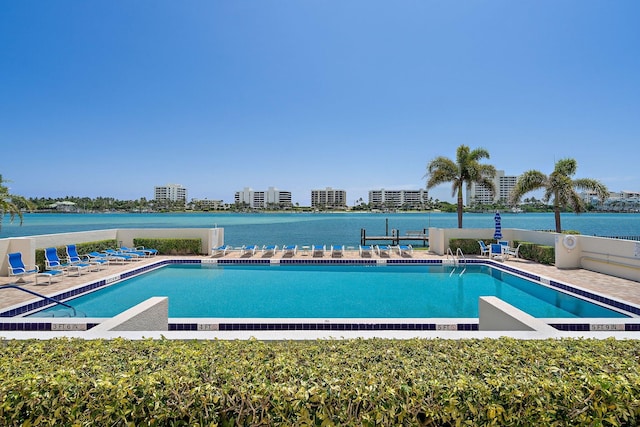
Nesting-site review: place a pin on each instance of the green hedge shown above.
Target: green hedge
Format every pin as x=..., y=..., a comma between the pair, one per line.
x=539, y=253
x=171, y=246
x=353, y=382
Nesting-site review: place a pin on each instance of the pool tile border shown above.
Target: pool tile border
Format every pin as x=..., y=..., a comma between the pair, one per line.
x=40, y=325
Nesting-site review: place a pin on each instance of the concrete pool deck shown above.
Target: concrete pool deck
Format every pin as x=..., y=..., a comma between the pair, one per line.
x=617, y=288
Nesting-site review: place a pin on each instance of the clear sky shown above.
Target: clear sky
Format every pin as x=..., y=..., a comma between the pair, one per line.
x=111, y=98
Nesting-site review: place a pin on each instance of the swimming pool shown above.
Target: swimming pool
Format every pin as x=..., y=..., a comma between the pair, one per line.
x=330, y=291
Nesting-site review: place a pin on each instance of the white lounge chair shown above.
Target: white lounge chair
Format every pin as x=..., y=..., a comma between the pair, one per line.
x=220, y=250
x=366, y=250
x=268, y=250
x=405, y=250
x=484, y=249
x=383, y=250
x=513, y=252
x=289, y=250
x=497, y=251
x=17, y=267
x=337, y=250
x=318, y=250
x=52, y=260
x=250, y=249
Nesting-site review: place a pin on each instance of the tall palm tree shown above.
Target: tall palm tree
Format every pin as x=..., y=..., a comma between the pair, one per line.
x=11, y=204
x=465, y=171
x=559, y=186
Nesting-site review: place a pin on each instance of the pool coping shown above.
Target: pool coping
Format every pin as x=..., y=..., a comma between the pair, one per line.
x=12, y=319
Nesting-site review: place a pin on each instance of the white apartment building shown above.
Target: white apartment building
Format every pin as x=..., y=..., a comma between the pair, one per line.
x=393, y=199
x=329, y=198
x=263, y=199
x=171, y=192
x=482, y=195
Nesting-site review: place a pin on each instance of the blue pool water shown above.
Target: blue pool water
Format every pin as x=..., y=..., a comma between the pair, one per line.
x=335, y=291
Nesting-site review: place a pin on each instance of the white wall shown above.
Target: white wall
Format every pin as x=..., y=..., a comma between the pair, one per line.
x=211, y=237
x=620, y=258
x=615, y=257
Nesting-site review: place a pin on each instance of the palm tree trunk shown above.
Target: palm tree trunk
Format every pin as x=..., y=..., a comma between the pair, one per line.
x=556, y=212
x=460, y=207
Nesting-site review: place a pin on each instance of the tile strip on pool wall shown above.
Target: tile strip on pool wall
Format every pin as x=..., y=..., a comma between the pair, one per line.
x=294, y=326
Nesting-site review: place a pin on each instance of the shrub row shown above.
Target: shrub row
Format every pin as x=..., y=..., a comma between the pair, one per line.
x=164, y=246
x=351, y=382
x=171, y=246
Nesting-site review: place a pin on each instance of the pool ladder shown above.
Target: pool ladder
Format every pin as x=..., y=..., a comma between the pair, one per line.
x=456, y=260
x=46, y=298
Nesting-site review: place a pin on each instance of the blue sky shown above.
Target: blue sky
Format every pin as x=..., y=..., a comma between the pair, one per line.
x=111, y=98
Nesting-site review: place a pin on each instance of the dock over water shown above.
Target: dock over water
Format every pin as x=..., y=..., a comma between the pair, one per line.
x=395, y=238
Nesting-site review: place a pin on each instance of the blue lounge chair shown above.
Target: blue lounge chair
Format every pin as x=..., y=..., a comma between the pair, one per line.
x=220, y=250
x=114, y=255
x=484, y=250
x=103, y=259
x=52, y=260
x=318, y=250
x=250, y=249
x=134, y=252
x=337, y=250
x=17, y=267
x=268, y=250
x=405, y=250
x=383, y=250
x=77, y=262
x=366, y=250
x=289, y=250
x=148, y=251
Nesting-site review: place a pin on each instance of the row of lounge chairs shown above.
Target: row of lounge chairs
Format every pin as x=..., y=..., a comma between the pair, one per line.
x=335, y=251
x=73, y=263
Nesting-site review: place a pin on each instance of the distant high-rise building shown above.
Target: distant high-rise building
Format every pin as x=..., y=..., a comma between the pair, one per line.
x=394, y=199
x=329, y=198
x=272, y=198
x=171, y=193
x=483, y=195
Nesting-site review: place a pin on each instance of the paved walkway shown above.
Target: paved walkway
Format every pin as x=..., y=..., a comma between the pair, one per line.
x=614, y=287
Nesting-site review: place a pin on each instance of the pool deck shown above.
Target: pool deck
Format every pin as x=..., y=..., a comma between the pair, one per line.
x=621, y=289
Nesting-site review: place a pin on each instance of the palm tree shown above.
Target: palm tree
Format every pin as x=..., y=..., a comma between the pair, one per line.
x=11, y=204
x=560, y=187
x=465, y=171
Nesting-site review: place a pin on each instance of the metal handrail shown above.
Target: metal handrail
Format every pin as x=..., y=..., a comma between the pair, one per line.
x=29, y=291
x=460, y=254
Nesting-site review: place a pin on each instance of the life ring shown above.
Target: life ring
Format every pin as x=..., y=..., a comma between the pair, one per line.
x=569, y=241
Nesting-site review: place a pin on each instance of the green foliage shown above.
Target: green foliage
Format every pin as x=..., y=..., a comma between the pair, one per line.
x=468, y=246
x=351, y=382
x=538, y=253
x=82, y=248
x=171, y=246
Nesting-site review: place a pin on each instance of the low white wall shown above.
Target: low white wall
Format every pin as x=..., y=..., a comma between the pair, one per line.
x=211, y=237
x=149, y=315
x=496, y=315
x=615, y=257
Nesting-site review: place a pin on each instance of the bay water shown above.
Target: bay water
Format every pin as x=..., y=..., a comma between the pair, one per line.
x=315, y=228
